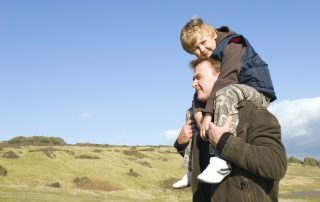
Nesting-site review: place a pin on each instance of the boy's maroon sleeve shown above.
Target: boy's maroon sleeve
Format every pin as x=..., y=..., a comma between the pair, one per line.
x=230, y=67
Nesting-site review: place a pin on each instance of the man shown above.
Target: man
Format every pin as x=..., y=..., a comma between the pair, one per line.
x=256, y=154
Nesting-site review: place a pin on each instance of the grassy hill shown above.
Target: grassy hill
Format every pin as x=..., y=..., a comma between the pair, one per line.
x=114, y=173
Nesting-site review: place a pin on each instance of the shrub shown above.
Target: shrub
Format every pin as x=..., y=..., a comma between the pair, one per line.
x=54, y=185
x=36, y=140
x=92, y=145
x=10, y=155
x=293, y=159
x=98, y=150
x=84, y=156
x=310, y=161
x=147, y=149
x=49, y=151
x=3, y=171
x=146, y=164
x=134, y=153
x=87, y=183
x=133, y=173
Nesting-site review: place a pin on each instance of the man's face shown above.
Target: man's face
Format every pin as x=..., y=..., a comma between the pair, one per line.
x=204, y=77
x=205, y=47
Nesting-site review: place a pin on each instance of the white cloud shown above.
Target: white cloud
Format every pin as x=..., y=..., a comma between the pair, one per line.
x=170, y=135
x=86, y=115
x=298, y=117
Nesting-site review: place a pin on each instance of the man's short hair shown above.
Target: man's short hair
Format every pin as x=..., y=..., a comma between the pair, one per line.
x=214, y=63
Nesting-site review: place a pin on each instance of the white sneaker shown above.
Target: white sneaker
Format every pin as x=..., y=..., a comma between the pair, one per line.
x=184, y=182
x=216, y=171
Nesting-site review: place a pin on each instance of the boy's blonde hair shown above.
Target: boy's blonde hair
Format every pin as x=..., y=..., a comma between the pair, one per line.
x=194, y=31
x=214, y=63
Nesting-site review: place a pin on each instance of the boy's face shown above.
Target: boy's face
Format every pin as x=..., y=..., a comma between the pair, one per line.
x=205, y=46
x=204, y=77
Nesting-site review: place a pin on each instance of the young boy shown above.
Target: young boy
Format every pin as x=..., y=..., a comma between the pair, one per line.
x=240, y=64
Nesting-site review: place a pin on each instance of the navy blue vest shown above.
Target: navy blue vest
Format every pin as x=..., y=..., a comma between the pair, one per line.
x=254, y=71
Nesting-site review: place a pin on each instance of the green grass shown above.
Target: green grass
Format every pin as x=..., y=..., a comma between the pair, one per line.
x=130, y=174
x=300, y=178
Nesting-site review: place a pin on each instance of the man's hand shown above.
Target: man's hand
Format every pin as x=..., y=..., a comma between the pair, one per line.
x=186, y=132
x=215, y=132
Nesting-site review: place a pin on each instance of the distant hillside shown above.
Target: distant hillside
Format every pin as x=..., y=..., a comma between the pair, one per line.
x=111, y=173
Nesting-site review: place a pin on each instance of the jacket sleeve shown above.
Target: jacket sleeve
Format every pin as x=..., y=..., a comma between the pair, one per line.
x=230, y=67
x=258, y=149
x=180, y=147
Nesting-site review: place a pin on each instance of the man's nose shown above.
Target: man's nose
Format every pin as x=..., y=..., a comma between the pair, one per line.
x=194, y=84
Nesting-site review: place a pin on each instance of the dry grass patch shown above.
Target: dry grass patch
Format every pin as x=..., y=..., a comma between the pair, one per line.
x=94, y=184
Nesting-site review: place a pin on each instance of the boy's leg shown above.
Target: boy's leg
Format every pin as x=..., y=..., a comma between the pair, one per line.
x=251, y=94
x=226, y=103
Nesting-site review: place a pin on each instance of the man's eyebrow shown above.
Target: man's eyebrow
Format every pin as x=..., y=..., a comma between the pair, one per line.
x=194, y=77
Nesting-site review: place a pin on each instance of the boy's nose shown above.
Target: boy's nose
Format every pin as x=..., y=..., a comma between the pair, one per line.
x=202, y=48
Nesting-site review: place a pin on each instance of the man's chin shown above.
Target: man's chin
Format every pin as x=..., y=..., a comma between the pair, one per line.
x=201, y=99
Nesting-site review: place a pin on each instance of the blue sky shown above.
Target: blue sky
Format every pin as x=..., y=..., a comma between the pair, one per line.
x=114, y=72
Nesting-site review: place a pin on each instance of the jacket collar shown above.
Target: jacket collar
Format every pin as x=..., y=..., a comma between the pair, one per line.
x=222, y=33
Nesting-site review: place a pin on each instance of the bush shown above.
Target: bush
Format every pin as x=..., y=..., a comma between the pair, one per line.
x=36, y=140
x=148, y=149
x=49, y=151
x=135, y=153
x=98, y=150
x=54, y=185
x=310, y=161
x=87, y=183
x=10, y=155
x=293, y=159
x=133, y=173
x=3, y=171
x=146, y=164
x=87, y=157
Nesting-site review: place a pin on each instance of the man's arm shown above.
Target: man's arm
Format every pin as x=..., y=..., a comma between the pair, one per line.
x=258, y=147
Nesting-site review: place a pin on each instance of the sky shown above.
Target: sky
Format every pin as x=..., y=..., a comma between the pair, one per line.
x=114, y=72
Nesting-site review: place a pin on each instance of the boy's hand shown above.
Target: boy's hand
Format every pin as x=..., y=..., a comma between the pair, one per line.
x=198, y=119
x=186, y=132
x=205, y=125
